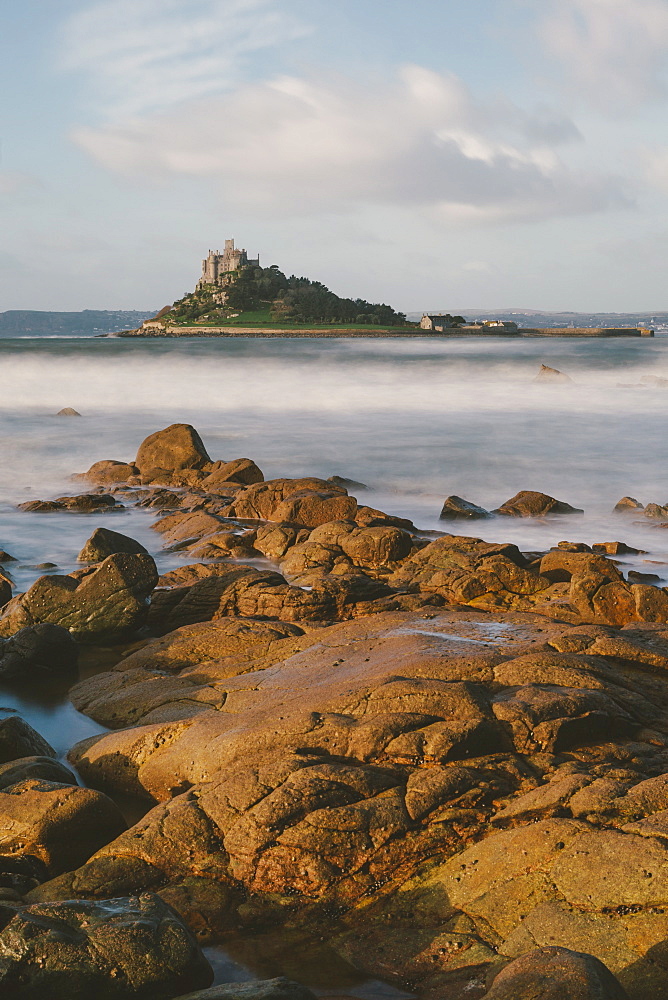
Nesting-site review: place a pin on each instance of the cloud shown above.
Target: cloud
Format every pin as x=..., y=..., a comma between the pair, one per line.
x=614, y=52
x=13, y=183
x=144, y=55
x=291, y=144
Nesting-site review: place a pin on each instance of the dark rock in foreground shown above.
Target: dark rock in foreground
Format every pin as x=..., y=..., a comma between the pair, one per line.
x=108, y=602
x=18, y=739
x=261, y=989
x=117, y=949
x=42, y=650
x=556, y=974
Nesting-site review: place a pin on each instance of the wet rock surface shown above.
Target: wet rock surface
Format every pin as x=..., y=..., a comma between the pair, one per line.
x=113, y=950
x=108, y=602
x=446, y=757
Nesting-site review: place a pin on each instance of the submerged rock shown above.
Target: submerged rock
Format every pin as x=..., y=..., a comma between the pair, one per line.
x=116, y=949
x=178, y=446
x=547, y=374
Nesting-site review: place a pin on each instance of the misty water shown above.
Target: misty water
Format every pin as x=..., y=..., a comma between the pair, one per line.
x=416, y=420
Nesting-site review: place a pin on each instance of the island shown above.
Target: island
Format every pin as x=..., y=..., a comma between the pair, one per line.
x=237, y=297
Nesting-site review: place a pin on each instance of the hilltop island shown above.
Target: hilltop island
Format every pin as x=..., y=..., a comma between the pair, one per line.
x=237, y=297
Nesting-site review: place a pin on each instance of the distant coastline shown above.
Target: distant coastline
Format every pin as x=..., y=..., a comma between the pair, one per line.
x=340, y=332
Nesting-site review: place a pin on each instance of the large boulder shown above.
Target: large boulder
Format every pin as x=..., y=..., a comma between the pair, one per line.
x=105, y=542
x=178, y=446
x=109, y=602
x=42, y=650
x=528, y=503
x=556, y=974
x=63, y=825
x=116, y=949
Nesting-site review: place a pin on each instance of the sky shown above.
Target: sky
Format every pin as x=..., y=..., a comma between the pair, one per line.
x=432, y=154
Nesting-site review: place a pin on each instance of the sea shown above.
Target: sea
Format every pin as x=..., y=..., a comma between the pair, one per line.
x=416, y=420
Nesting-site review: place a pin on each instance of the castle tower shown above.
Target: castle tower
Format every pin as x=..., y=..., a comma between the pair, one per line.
x=218, y=264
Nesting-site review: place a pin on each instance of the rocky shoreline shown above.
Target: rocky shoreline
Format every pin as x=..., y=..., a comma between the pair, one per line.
x=444, y=760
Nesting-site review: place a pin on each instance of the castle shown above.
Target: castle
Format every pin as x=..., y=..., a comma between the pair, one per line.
x=218, y=264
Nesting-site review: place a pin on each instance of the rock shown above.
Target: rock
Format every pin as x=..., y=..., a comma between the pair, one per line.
x=27, y=768
x=305, y=502
x=115, y=949
x=627, y=505
x=554, y=973
x=347, y=484
x=42, y=650
x=5, y=557
x=22, y=874
x=85, y=504
x=259, y=989
x=528, y=503
x=5, y=591
x=274, y=540
x=105, y=542
x=241, y=470
x=108, y=472
x=464, y=570
x=617, y=549
x=656, y=511
x=67, y=411
x=107, y=603
x=547, y=374
x=18, y=739
x=232, y=638
x=63, y=825
x=178, y=446
x=456, y=509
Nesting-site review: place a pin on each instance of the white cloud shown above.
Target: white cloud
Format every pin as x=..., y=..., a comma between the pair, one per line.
x=291, y=144
x=614, y=52
x=144, y=55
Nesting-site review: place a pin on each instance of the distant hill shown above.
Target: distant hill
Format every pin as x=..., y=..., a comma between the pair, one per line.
x=87, y=323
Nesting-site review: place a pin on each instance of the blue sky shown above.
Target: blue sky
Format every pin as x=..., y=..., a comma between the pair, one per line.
x=433, y=154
